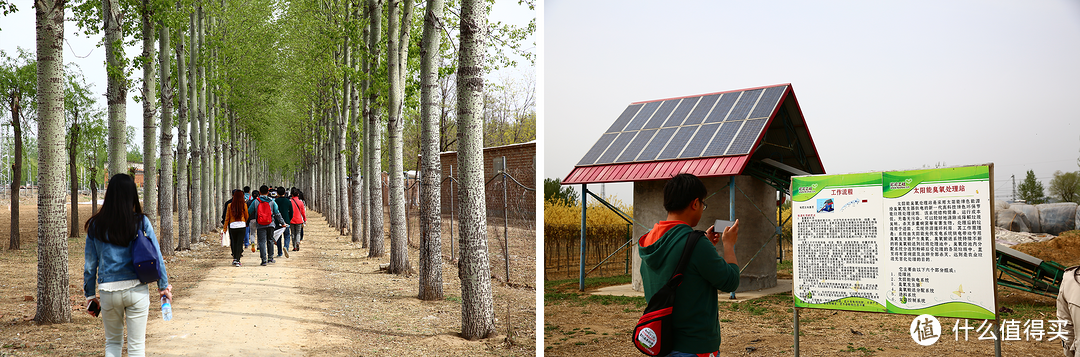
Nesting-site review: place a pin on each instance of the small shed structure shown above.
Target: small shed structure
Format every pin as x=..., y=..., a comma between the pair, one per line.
x=744, y=145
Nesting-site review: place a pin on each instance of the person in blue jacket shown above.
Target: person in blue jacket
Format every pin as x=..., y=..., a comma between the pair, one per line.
x=110, y=272
x=265, y=232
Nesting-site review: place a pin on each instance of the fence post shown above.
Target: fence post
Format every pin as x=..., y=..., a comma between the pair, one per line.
x=452, y=197
x=506, y=236
x=581, y=267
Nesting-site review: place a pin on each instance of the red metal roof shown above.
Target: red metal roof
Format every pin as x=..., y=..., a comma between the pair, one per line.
x=659, y=170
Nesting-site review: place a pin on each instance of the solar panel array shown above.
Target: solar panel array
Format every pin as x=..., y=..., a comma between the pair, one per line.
x=722, y=124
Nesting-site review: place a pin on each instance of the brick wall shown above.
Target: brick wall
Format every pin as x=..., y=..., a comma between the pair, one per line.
x=521, y=165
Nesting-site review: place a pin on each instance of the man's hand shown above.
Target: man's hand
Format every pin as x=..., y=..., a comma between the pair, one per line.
x=731, y=234
x=712, y=235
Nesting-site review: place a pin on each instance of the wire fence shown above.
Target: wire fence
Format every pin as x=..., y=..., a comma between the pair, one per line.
x=511, y=223
x=606, y=252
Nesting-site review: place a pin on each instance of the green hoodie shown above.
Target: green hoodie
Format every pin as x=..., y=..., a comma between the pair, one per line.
x=696, y=315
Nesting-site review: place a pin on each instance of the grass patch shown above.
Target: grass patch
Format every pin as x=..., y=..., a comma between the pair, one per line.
x=590, y=283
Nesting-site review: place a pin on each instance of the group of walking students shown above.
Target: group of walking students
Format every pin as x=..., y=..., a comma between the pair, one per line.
x=115, y=292
x=273, y=218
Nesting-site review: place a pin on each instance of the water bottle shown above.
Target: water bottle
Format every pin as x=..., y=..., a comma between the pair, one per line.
x=166, y=309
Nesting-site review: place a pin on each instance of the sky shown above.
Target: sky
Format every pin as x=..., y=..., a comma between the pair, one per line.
x=883, y=85
x=17, y=30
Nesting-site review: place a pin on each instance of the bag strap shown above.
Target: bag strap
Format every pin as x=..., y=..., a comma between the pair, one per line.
x=688, y=249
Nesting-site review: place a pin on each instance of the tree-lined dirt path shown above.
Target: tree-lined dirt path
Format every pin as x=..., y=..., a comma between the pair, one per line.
x=329, y=299
x=250, y=310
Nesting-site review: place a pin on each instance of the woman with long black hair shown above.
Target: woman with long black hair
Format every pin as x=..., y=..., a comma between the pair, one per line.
x=110, y=272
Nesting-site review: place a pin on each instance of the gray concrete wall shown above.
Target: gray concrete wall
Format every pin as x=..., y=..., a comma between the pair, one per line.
x=755, y=229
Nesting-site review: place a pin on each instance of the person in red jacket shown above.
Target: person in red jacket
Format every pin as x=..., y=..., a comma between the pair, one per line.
x=299, y=217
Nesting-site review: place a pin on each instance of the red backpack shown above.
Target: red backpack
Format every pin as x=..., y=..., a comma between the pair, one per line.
x=265, y=214
x=649, y=332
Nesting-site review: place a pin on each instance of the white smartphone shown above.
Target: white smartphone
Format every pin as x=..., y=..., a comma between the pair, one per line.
x=720, y=224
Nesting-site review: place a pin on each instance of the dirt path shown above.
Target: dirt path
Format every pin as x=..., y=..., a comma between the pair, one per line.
x=250, y=310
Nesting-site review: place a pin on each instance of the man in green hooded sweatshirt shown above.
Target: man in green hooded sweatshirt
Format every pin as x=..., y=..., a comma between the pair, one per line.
x=696, y=316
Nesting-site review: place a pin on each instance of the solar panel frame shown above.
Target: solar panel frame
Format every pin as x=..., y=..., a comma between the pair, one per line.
x=701, y=110
x=710, y=125
x=701, y=139
x=746, y=102
x=662, y=113
x=768, y=102
x=657, y=144
x=723, y=107
x=616, y=147
x=642, y=116
x=722, y=139
x=597, y=149
x=748, y=135
x=678, y=142
x=681, y=112
x=624, y=118
x=634, y=148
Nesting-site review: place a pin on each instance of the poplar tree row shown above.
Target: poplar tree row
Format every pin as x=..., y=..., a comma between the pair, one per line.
x=304, y=93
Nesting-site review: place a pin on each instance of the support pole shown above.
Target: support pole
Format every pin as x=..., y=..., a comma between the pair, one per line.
x=795, y=313
x=584, y=207
x=731, y=213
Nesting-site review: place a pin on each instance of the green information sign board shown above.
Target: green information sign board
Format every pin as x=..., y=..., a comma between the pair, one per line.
x=906, y=242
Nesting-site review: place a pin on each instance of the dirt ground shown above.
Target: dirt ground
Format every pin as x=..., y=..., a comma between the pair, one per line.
x=327, y=299
x=577, y=324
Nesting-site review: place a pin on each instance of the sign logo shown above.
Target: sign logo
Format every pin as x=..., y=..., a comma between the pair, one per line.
x=925, y=329
x=647, y=337
x=808, y=189
x=902, y=185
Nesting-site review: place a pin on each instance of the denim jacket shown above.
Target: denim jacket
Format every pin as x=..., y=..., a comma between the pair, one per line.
x=108, y=262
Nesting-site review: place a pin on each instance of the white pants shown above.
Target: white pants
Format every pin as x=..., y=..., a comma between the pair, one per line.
x=130, y=307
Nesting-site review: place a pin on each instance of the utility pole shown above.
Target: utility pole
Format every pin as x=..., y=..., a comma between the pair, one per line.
x=1014, y=187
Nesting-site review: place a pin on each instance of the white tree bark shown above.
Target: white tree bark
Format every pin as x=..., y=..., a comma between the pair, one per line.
x=117, y=87
x=150, y=199
x=53, y=303
x=165, y=197
x=196, y=148
x=397, y=58
x=183, y=203
x=477, y=312
x=431, y=167
x=204, y=149
x=374, y=147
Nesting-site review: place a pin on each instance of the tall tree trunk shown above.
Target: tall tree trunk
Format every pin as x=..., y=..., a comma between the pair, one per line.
x=73, y=149
x=204, y=154
x=93, y=190
x=150, y=199
x=53, y=298
x=477, y=313
x=183, y=204
x=362, y=127
x=343, y=131
x=117, y=87
x=375, y=248
x=196, y=148
x=397, y=57
x=165, y=197
x=356, y=227
x=431, y=167
x=15, y=103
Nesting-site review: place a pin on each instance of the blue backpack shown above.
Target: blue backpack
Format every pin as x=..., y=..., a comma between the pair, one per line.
x=145, y=257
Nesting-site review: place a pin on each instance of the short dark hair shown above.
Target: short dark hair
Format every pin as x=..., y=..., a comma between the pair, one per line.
x=247, y=189
x=681, y=190
x=281, y=191
x=264, y=190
